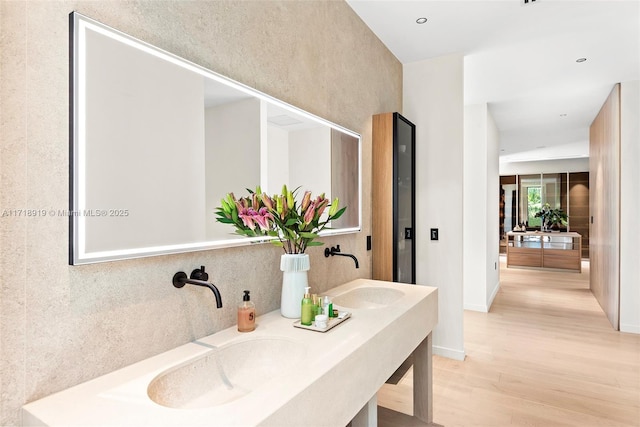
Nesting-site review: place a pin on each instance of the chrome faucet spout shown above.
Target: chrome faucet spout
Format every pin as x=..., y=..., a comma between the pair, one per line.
x=335, y=250
x=180, y=279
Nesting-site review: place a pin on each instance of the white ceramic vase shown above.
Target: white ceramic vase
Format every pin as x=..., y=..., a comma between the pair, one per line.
x=294, y=279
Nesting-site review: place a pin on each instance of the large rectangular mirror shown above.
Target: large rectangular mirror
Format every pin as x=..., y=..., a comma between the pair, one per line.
x=157, y=141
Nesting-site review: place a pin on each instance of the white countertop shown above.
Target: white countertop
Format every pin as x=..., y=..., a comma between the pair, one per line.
x=544, y=233
x=343, y=369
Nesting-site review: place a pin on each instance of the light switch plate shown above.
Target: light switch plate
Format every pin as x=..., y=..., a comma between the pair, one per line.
x=434, y=234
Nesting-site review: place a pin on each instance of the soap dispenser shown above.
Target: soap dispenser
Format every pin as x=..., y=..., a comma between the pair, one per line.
x=246, y=314
x=307, y=308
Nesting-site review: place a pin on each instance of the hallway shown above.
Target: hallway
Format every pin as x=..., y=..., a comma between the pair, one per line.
x=545, y=355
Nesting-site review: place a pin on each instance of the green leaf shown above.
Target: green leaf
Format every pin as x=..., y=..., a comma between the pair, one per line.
x=308, y=235
x=339, y=213
x=315, y=243
x=225, y=220
x=290, y=222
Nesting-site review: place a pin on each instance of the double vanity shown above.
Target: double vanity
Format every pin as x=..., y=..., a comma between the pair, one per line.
x=277, y=375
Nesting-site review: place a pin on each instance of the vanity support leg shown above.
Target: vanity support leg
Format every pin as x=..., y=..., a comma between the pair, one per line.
x=368, y=415
x=423, y=381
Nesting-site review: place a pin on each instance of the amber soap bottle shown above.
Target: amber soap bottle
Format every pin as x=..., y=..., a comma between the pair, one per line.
x=246, y=314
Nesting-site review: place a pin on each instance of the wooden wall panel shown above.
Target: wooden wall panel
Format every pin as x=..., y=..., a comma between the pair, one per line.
x=564, y=196
x=579, y=207
x=382, y=197
x=604, y=201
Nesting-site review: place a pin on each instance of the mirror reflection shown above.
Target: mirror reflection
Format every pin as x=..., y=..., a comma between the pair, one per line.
x=157, y=141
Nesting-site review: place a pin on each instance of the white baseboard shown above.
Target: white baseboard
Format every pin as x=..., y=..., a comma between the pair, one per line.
x=493, y=295
x=484, y=308
x=448, y=352
x=632, y=329
x=476, y=307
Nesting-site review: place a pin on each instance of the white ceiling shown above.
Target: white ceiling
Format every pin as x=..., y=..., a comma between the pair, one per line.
x=521, y=60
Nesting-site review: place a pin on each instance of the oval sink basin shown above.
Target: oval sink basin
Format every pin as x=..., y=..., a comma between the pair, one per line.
x=225, y=374
x=368, y=297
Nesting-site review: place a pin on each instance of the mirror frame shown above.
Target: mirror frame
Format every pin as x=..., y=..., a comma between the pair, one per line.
x=78, y=211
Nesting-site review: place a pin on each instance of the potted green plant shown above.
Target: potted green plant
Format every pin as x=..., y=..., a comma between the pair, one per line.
x=551, y=218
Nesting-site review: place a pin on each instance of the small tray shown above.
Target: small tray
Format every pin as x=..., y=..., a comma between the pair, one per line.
x=331, y=323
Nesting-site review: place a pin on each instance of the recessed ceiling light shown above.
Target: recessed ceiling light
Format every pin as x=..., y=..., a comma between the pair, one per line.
x=421, y=20
x=581, y=59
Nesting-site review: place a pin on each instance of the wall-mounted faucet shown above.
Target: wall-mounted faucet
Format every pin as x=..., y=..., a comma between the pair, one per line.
x=199, y=278
x=335, y=250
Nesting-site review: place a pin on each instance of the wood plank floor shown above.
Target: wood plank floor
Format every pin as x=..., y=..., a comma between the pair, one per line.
x=545, y=355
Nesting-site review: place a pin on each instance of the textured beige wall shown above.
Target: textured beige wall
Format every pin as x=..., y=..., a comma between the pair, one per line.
x=62, y=325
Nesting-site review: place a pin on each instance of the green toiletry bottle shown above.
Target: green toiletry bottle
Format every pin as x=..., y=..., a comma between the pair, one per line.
x=307, y=308
x=315, y=305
